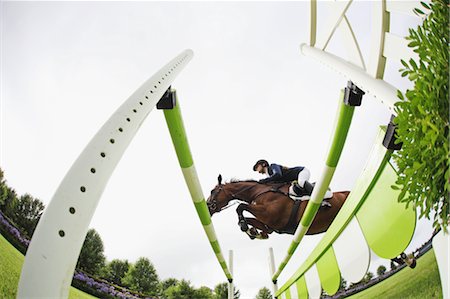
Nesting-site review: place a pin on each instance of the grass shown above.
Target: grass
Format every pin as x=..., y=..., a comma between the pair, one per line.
x=421, y=282
x=11, y=261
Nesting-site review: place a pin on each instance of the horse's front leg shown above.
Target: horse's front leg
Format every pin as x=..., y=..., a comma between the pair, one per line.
x=264, y=230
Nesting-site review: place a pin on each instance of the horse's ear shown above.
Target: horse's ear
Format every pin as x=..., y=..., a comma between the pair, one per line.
x=219, y=178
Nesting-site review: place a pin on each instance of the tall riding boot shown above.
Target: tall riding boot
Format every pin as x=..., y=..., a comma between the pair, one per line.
x=308, y=188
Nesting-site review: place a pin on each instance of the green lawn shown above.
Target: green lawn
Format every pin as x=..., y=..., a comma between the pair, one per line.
x=421, y=282
x=11, y=262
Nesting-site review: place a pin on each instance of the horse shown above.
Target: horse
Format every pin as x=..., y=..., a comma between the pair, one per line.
x=272, y=207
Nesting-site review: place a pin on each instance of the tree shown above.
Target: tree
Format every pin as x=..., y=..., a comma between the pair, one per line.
x=369, y=275
x=27, y=212
x=203, y=293
x=264, y=293
x=92, y=258
x=142, y=277
x=423, y=119
x=8, y=201
x=116, y=270
x=381, y=270
x=167, y=283
x=221, y=291
x=343, y=284
x=393, y=265
x=182, y=290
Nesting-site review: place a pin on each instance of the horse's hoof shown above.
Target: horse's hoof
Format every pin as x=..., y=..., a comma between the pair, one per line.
x=243, y=225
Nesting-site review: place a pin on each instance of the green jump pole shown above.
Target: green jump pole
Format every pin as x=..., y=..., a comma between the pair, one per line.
x=341, y=129
x=177, y=131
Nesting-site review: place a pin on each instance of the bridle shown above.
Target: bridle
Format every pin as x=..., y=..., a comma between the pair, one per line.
x=212, y=204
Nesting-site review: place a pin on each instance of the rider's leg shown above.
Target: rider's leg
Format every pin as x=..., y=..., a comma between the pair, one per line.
x=303, y=187
x=303, y=176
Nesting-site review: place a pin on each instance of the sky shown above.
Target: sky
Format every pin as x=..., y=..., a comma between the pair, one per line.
x=247, y=94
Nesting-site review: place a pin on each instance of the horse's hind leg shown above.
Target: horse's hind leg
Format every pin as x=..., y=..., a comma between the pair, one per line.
x=242, y=220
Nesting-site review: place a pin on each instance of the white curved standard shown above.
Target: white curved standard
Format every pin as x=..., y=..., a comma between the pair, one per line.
x=352, y=252
x=313, y=283
x=53, y=252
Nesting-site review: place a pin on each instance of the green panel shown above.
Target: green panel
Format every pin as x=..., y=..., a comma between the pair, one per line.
x=329, y=274
x=387, y=225
x=287, y=294
x=340, y=133
x=177, y=132
x=376, y=162
x=203, y=212
x=302, y=289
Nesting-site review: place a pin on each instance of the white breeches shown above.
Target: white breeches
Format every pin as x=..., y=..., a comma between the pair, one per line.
x=303, y=176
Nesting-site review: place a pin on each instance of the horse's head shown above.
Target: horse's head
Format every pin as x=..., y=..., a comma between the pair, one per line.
x=219, y=198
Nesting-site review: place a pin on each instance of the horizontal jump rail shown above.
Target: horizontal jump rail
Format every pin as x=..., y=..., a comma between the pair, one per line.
x=179, y=138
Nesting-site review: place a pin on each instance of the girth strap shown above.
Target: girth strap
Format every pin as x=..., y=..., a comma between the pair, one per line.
x=292, y=224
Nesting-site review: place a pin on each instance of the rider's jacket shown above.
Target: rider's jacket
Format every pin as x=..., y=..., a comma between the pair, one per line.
x=279, y=173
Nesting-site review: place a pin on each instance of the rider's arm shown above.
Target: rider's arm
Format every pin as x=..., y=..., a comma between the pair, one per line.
x=275, y=172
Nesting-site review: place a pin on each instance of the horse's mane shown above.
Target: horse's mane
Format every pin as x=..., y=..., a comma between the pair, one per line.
x=276, y=184
x=235, y=180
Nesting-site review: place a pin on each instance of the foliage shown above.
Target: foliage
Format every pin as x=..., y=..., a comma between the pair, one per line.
x=142, y=277
x=381, y=270
x=423, y=118
x=13, y=235
x=369, y=275
x=22, y=213
x=115, y=271
x=343, y=284
x=98, y=288
x=182, y=290
x=92, y=258
x=28, y=211
x=203, y=293
x=264, y=293
x=221, y=291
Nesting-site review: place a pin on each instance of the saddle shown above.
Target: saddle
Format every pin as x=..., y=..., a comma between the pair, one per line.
x=298, y=193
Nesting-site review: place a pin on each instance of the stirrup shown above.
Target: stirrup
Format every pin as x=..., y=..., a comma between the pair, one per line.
x=297, y=193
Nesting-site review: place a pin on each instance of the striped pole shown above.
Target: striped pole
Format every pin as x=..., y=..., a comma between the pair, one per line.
x=180, y=142
x=340, y=134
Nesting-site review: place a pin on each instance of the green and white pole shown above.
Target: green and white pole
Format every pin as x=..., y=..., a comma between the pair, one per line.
x=342, y=127
x=177, y=132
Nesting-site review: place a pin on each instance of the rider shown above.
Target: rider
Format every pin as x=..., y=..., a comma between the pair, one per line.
x=299, y=175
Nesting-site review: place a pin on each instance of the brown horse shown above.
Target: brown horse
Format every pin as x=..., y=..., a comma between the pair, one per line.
x=272, y=207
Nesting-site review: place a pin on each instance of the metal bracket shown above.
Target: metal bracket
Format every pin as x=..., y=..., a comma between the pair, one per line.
x=353, y=95
x=168, y=100
x=389, y=140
